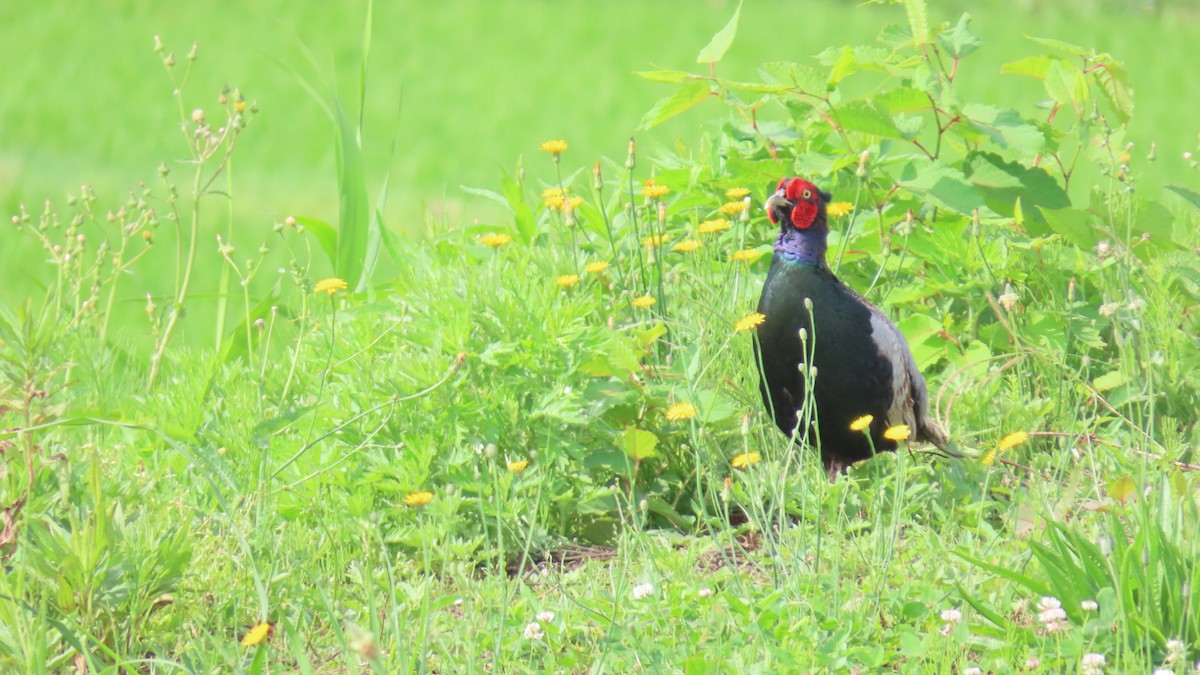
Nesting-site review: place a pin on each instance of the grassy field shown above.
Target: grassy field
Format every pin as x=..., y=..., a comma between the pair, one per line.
x=532, y=441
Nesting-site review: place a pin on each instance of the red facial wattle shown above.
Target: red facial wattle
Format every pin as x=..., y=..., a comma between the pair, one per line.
x=804, y=195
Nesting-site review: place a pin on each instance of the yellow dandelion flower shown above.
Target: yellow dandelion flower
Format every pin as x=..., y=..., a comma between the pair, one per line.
x=553, y=197
x=737, y=193
x=518, y=466
x=655, y=240
x=567, y=280
x=900, y=432
x=570, y=203
x=597, y=267
x=687, y=245
x=1008, y=442
x=713, y=226
x=257, y=634
x=681, y=411
x=861, y=423
x=748, y=322
x=554, y=147
x=331, y=285
x=418, y=498
x=732, y=208
x=654, y=190
x=746, y=459
x=495, y=239
x=746, y=255
x=643, y=302
x=838, y=209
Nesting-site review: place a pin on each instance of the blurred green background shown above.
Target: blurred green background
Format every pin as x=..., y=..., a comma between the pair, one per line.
x=85, y=98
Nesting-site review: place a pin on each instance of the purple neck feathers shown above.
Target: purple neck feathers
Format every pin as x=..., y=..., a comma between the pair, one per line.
x=805, y=246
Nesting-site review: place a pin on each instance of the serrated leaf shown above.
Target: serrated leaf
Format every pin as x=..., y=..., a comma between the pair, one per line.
x=684, y=98
x=1110, y=380
x=715, y=50
x=755, y=87
x=903, y=99
x=1065, y=47
x=946, y=187
x=638, y=444
x=918, y=20
x=960, y=41
x=865, y=117
x=805, y=78
x=668, y=76
x=1066, y=84
x=1032, y=66
x=1115, y=84
x=1005, y=127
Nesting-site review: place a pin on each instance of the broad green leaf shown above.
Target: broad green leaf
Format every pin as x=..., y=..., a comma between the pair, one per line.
x=843, y=66
x=865, y=117
x=326, y=234
x=1153, y=219
x=1121, y=489
x=755, y=87
x=946, y=187
x=522, y=215
x=804, y=78
x=668, y=76
x=1066, y=84
x=1189, y=196
x=903, y=99
x=1065, y=47
x=1031, y=66
x=918, y=20
x=684, y=98
x=960, y=41
x=1110, y=380
x=638, y=444
x=1074, y=224
x=1115, y=84
x=715, y=50
x=648, y=336
x=1006, y=128
x=895, y=35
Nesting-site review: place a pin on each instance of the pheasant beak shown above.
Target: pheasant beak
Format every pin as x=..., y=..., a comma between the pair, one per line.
x=778, y=206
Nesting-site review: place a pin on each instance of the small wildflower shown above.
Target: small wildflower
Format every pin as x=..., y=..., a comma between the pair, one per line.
x=1177, y=652
x=681, y=411
x=1108, y=308
x=687, y=245
x=1089, y=605
x=900, y=432
x=751, y=320
x=596, y=267
x=654, y=240
x=1033, y=662
x=533, y=631
x=418, y=498
x=545, y=617
x=653, y=190
x=553, y=197
x=746, y=459
x=643, y=302
x=330, y=286
x=733, y=208
x=704, y=592
x=862, y=423
x=1051, y=615
x=737, y=193
x=257, y=634
x=1162, y=671
x=642, y=590
x=1103, y=249
x=554, y=147
x=1010, y=441
x=570, y=203
x=713, y=226
x=951, y=615
x=567, y=280
x=839, y=209
x=1008, y=299
x=518, y=466
x=972, y=670
x=746, y=255
x=1092, y=664
x=495, y=239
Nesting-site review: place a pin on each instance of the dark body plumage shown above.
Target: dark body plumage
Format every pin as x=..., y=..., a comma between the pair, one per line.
x=864, y=365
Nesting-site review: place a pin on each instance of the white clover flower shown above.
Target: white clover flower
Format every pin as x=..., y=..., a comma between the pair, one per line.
x=1163, y=671
x=533, y=631
x=1108, y=308
x=704, y=592
x=545, y=617
x=972, y=671
x=1092, y=664
x=642, y=590
x=1089, y=605
x=951, y=615
x=1033, y=662
x=1177, y=652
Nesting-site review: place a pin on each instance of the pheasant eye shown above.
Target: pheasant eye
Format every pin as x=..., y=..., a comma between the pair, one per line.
x=808, y=194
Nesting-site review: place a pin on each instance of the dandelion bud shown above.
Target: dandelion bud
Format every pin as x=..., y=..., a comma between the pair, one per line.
x=111, y=217
x=277, y=228
x=169, y=61
x=808, y=304
x=289, y=221
x=662, y=214
x=150, y=306
x=597, y=179
x=193, y=53
x=975, y=223
x=1153, y=152
x=263, y=250
x=631, y=158
x=489, y=450
x=222, y=99
x=643, y=506
x=260, y=323
x=240, y=106
x=863, y=160
x=198, y=116
x=804, y=335
x=1071, y=290
x=745, y=428
x=744, y=216
x=158, y=45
